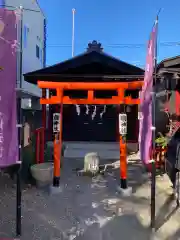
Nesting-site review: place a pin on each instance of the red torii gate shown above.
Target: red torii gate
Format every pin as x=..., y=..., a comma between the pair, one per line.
x=120, y=87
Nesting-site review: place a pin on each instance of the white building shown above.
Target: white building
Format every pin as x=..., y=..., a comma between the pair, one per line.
x=33, y=47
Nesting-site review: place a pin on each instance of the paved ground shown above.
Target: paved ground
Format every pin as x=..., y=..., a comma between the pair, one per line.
x=91, y=209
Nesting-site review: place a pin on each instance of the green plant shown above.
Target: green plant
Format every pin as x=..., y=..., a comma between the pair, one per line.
x=161, y=141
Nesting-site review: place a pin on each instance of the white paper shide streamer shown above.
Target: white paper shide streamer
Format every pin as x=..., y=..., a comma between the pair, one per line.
x=94, y=112
x=103, y=112
x=87, y=109
x=78, y=110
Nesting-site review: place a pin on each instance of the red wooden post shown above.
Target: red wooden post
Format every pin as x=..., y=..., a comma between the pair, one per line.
x=39, y=133
x=122, y=146
x=44, y=110
x=177, y=103
x=118, y=109
x=123, y=163
x=58, y=147
x=37, y=146
x=44, y=118
x=56, y=162
x=42, y=144
x=50, y=121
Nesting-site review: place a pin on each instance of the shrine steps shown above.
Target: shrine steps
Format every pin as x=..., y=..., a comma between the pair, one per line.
x=106, y=150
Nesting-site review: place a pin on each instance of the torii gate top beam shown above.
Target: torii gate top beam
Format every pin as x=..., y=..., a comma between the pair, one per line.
x=90, y=87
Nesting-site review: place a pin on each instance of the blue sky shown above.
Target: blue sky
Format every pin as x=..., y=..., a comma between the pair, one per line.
x=111, y=22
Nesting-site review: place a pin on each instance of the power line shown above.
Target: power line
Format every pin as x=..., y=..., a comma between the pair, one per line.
x=15, y=7
x=118, y=45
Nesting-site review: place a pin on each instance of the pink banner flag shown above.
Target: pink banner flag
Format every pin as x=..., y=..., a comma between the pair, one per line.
x=8, y=75
x=145, y=129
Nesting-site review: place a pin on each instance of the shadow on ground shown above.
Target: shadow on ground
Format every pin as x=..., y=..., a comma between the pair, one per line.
x=176, y=236
x=166, y=212
x=117, y=228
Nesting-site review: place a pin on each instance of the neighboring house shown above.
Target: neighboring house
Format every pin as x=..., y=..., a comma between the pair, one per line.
x=168, y=89
x=33, y=48
x=169, y=80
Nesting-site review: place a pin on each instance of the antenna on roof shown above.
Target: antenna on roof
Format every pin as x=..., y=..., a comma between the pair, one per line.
x=73, y=14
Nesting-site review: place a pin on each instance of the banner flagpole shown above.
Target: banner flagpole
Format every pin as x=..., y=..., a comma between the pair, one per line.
x=147, y=133
x=153, y=162
x=153, y=169
x=20, y=127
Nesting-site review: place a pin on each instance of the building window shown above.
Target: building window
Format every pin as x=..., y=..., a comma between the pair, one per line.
x=41, y=56
x=37, y=51
x=26, y=31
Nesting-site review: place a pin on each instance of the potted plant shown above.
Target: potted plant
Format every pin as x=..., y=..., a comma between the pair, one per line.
x=43, y=172
x=161, y=141
x=161, y=144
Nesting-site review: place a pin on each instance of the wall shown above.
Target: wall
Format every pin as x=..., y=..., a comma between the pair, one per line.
x=33, y=34
x=33, y=118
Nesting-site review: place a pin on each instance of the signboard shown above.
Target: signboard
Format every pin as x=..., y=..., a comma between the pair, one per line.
x=8, y=63
x=123, y=123
x=56, y=122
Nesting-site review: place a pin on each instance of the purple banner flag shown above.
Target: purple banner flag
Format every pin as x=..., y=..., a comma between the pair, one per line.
x=145, y=129
x=8, y=73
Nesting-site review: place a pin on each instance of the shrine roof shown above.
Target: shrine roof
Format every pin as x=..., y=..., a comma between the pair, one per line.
x=94, y=63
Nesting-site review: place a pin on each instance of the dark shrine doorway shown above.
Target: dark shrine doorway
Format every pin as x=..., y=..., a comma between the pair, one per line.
x=99, y=124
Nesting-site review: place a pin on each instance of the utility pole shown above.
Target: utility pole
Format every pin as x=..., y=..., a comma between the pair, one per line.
x=73, y=15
